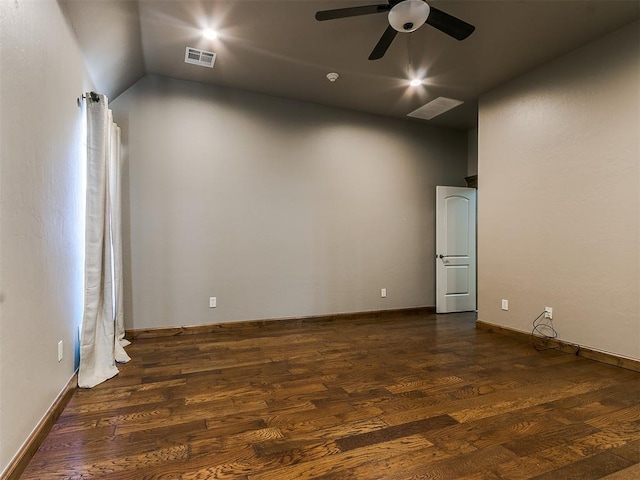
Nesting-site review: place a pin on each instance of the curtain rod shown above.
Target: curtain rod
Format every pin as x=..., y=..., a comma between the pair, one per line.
x=92, y=95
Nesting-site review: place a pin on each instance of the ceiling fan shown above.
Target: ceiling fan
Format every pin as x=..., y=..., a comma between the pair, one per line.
x=404, y=16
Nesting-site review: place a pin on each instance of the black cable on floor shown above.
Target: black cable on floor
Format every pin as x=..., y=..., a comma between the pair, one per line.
x=542, y=332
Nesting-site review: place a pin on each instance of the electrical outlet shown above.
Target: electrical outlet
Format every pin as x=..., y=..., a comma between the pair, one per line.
x=60, y=350
x=548, y=313
x=212, y=302
x=505, y=304
x=383, y=292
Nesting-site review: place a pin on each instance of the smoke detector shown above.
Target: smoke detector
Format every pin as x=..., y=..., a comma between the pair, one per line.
x=196, y=56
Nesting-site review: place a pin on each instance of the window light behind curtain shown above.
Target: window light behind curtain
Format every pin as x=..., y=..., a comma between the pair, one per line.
x=102, y=341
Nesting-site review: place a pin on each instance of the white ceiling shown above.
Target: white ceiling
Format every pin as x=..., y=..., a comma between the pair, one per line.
x=277, y=47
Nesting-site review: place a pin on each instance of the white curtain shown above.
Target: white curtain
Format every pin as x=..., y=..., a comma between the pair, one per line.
x=102, y=340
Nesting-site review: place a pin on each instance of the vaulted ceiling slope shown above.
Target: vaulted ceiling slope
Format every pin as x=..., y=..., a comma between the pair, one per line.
x=276, y=47
x=109, y=35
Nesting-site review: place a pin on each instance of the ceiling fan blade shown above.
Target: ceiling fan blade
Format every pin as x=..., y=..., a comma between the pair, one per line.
x=383, y=44
x=351, y=12
x=449, y=24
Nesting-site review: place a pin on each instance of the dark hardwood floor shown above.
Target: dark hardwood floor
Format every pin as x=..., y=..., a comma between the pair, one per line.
x=417, y=396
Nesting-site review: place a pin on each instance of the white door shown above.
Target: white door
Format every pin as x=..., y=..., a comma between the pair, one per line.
x=455, y=249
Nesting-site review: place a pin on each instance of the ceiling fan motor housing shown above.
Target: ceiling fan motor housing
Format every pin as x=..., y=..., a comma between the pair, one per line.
x=408, y=15
x=404, y=16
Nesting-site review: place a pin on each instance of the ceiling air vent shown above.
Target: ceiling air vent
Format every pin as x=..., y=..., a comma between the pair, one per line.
x=434, y=108
x=199, y=57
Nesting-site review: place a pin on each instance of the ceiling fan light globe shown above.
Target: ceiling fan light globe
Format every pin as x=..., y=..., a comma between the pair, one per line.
x=409, y=15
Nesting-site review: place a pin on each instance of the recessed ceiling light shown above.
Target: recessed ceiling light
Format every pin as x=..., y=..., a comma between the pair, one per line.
x=210, y=34
x=416, y=82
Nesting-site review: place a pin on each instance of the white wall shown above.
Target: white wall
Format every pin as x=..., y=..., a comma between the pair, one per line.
x=278, y=208
x=41, y=268
x=559, y=209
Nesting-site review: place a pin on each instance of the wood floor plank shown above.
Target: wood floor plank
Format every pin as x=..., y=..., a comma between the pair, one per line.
x=629, y=473
x=562, y=435
x=487, y=432
x=395, y=396
x=459, y=466
x=391, y=433
x=594, y=467
x=343, y=460
x=629, y=451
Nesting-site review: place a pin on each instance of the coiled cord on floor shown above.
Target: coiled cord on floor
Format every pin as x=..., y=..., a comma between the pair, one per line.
x=543, y=332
